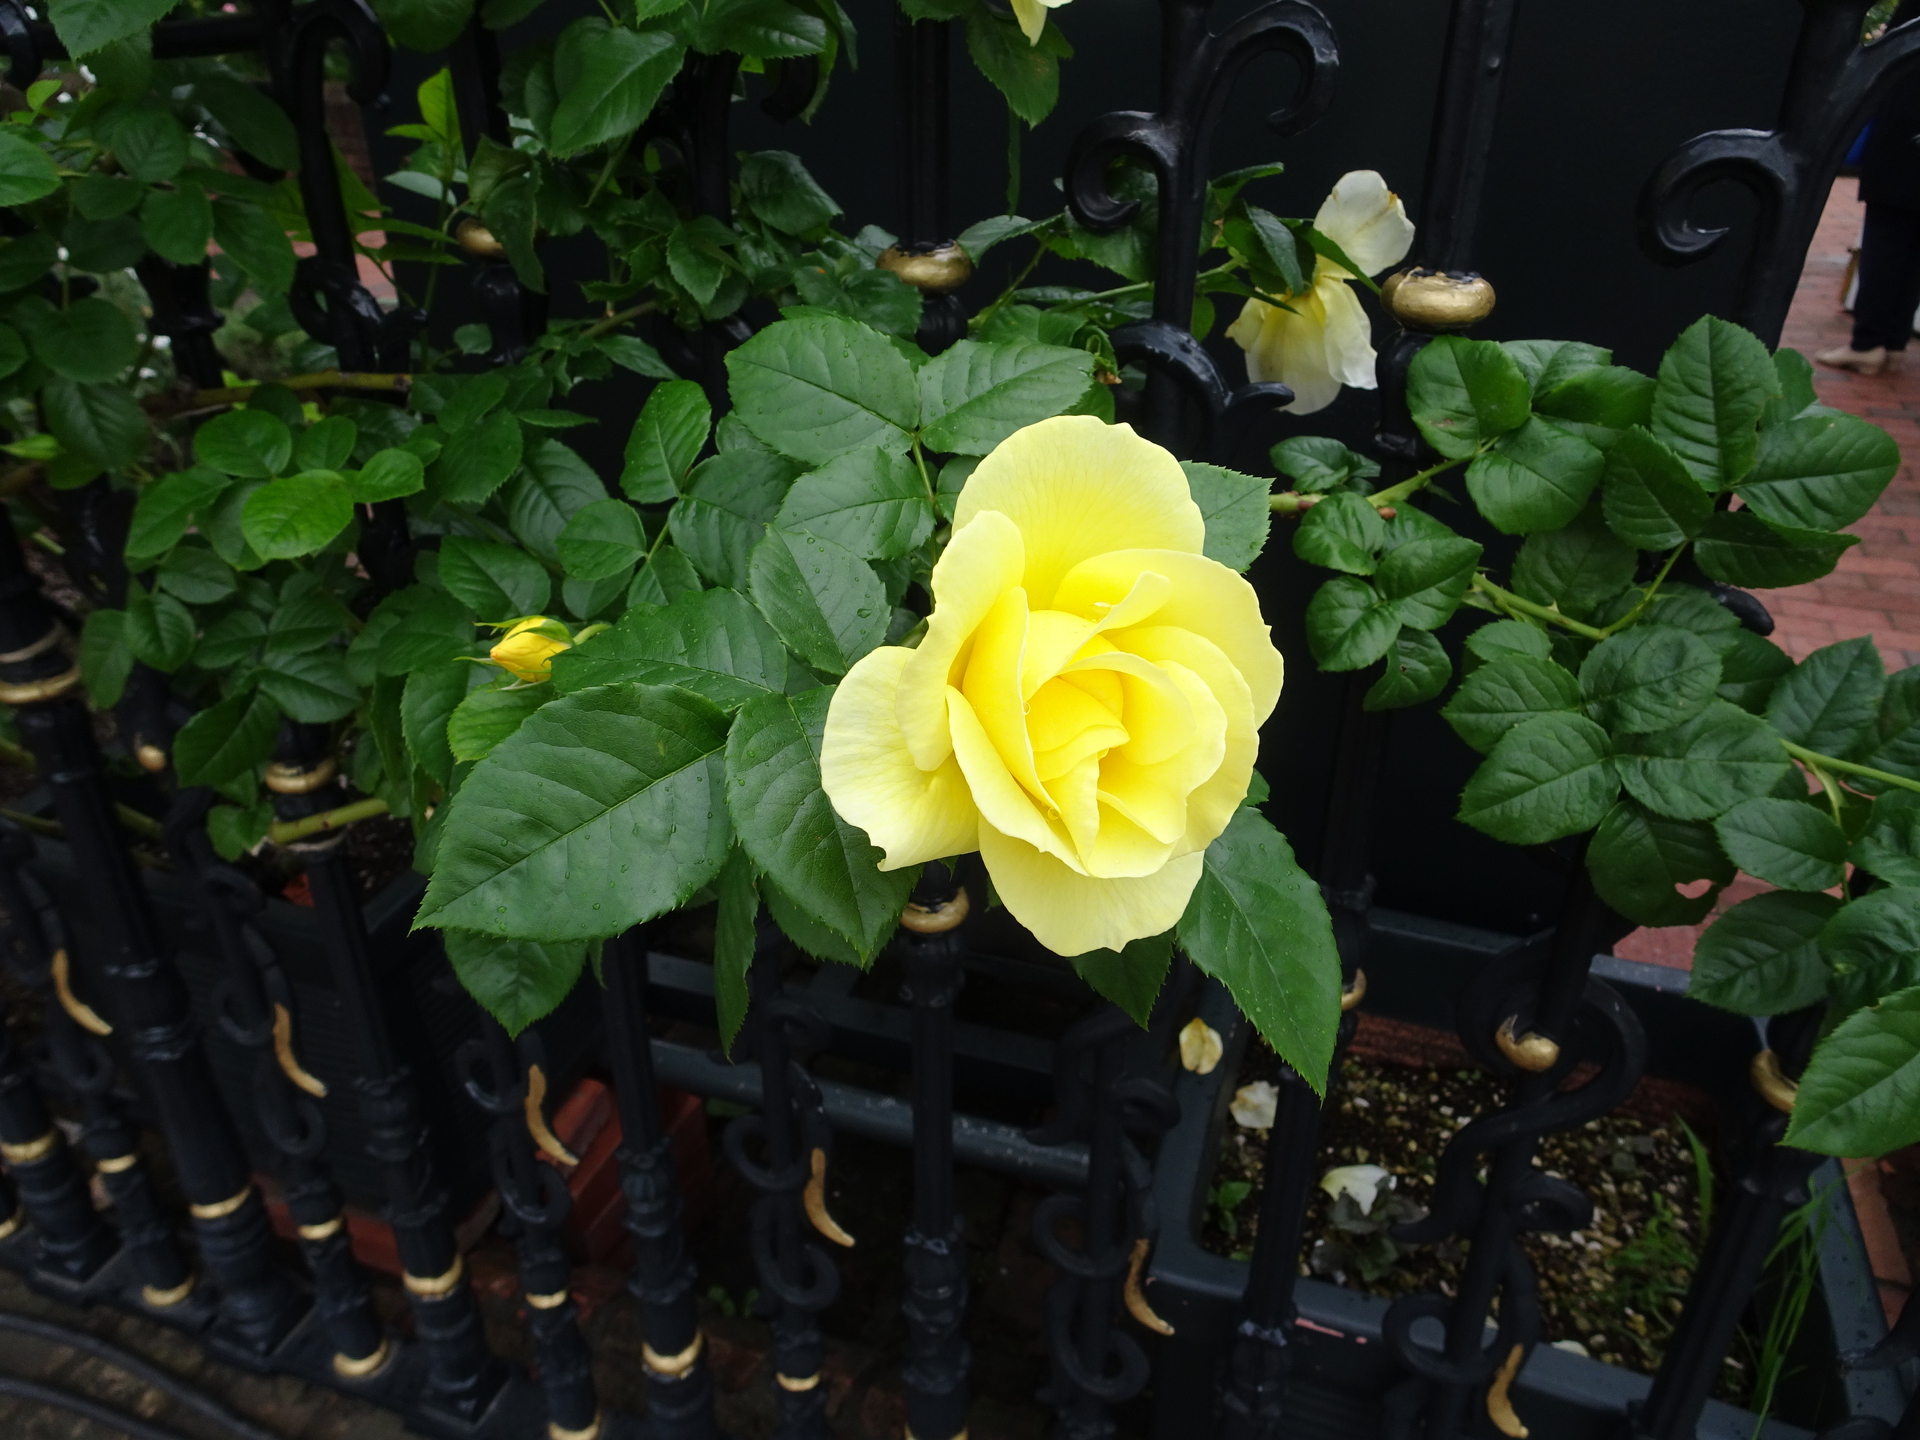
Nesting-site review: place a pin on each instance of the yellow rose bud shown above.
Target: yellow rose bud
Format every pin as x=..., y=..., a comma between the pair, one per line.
x=1085, y=706
x=526, y=651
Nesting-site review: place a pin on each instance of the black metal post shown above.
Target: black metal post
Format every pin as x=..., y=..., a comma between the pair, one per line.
x=1465, y=113
x=936, y=1240
x=255, y=1005
x=52, y=1191
x=37, y=958
x=536, y=1196
x=462, y=1378
x=679, y=1384
x=925, y=255
x=136, y=980
x=797, y=1279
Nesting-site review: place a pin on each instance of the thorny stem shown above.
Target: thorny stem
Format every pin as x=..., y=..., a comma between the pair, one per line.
x=1640, y=608
x=1517, y=605
x=1817, y=762
x=615, y=321
x=979, y=321
x=319, y=380
x=285, y=831
x=920, y=459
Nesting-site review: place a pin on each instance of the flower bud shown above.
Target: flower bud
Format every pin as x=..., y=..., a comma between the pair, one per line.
x=526, y=651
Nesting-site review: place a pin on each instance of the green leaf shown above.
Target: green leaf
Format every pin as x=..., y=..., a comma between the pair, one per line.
x=1795, y=375
x=665, y=576
x=604, y=539
x=778, y=189
x=101, y=423
x=1316, y=464
x=869, y=501
x=1714, y=382
x=603, y=810
x=389, y=475
x=1463, y=393
x=312, y=686
x=1537, y=477
x=106, y=658
x=1638, y=859
x=1742, y=549
x=428, y=626
x=1787, y=843
x=515, y=981
x=1750, y=668
x=250, y=443
x=1235, y=511
x=1861, y=1091
x=608, y=79
x=24, y=258
x=821, y=598
x=479, y=459
x=1547, y=777
x=758, y=29
x=1648, y=495
x=665, y=442
x=305, y=619
x=729, y=501
x=89, y=341
x=486, y=717
x=1578, y=568
x=166, y=508
x=326, y=444
x=235, y=831
x=1341, y=532
x=1872, y=946
x=554, y=485
x=27, y=172
x=432, y=694
x=1422, y=581
x=255, y=241
x=178, y=223
x=1701, y=769
x=1348, y=625
x=712, y=642
x=1831, y=701
x=1547, y=364
x=1610, y=397
x=148, y=143
x=975, y=395
x=195, y=574
x=819, y=386
x=1507, y=691
x=735, y=939
x=159, y=629
x=1257, y=924
x=257, y=124
x=1820, y=472
x=697, y=257
x=1501, y=638
x=823, y=865
x=1417, y=670
x=1027, y=74
x=1762, y=957
x=296, y=516
x=231, y=640
x=1130, y=978
x=1692, y=608
x=227, y=740
x=1889, y=847
x=496, y=582
x=1649, y=677
x=85, y=26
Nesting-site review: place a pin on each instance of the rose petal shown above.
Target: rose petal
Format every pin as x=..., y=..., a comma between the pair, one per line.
x=1200, y=1047
x=1071, y=913
x=979, y=566
x=1366, y=220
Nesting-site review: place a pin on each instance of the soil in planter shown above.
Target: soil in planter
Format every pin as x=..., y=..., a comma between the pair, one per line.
x=1613, y=1290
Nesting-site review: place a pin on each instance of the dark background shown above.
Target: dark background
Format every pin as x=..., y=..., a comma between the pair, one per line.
x=1596, y=97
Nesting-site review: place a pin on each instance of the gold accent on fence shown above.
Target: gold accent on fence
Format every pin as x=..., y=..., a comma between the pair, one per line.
x=348, y=1368
x=28, y=1151
x=84, y=1015
x=33, y=692
x=432, y=1287
x=220, y=1209
x=550, y=1302
x=936, y=919
x=1436, y=299
x=1351, y=996
x=13, y=1222
x=292, y=780
x=557, y=1431
x=39, y=647
x=911, y=1436
x=798, y=1387
x=672, y=1367
x=944, y=268
x=115, y=1164
x=289, y=1062
x=325, y=1230
x=1136, y=1297
x=477, y=239
x=151, y=757
x=165, y=1299
x=1499, y=1407
x=1772, y=1083
x=1529, y=1051
x=544, y=1137
x=814, y=1197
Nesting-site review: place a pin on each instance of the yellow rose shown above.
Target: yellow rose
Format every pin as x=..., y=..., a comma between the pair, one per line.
x=526, y=651
x=1032, y=16
x=1085, y=706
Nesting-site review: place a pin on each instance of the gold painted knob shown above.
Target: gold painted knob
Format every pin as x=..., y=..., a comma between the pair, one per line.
x=936, y=271
x=150, y=756
x=1437, y=299
x=477, y=239
x=1529, y=1051
x=1772, y=1082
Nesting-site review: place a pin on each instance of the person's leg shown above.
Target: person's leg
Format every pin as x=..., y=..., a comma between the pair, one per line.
x=1889, y=279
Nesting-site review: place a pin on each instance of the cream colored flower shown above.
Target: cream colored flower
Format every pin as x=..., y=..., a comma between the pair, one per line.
x=1032, y=15
x=1363, y=1182
x=1324, y=341
x=1200, y=1047
x=1255, y=1105
x=1085, y=706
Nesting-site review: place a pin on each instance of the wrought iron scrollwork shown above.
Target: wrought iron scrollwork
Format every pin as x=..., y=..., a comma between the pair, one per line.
x=1834, y=85
x=1199, y=68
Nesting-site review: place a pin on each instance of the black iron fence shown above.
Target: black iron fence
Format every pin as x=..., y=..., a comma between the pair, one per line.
x=105, y=956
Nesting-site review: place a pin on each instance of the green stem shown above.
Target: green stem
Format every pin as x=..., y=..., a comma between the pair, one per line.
x=1394, y=494
x=1517, y=606
x=920, y=459
x=1816, y=762
x=1640, y=608
x=979, y=321
x=615, y=321
x=285, y=831
x=606, y=172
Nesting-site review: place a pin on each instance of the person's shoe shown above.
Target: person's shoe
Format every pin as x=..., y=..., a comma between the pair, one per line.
x=1861, y=362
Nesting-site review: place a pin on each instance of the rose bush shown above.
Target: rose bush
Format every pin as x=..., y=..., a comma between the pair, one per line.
x=1084, y=708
